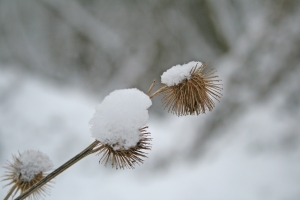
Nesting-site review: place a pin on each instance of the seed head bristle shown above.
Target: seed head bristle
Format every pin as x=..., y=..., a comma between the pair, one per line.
x=19, y=184
x=193, y=95
x=125, y=158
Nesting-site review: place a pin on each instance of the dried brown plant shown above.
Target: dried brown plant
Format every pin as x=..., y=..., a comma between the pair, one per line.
x=125, y=158
x=22, y=185
x=193, y=95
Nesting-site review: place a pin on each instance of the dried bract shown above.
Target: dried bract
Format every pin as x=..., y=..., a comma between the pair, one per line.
x=125, y=158
x=194, y=93
x=26, y=170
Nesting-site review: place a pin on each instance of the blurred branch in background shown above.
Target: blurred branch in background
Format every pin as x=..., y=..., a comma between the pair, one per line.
x=99, y=46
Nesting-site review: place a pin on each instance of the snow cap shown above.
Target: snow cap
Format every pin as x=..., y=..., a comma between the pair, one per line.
x=31, y=163
x=119, y=117
x=178, y=73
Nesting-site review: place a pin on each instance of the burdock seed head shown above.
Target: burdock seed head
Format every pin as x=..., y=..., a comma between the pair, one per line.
x=25, y=170
x=119, y=126
x=125, y=158
x=189, y=90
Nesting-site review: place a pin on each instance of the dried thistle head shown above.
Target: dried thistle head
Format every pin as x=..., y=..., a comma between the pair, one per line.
x=116, y=125
x=188, y=90
x=26, y=170
x=121, y=157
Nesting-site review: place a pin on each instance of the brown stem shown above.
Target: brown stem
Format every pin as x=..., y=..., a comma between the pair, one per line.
x=157, y=92
x=59, y=170
x=10, y=192
x=151, y=87
x=97, y=149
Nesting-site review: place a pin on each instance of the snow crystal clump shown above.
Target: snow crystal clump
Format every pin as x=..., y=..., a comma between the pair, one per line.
x=31, y=163
x=119, y=117
x=178, y=73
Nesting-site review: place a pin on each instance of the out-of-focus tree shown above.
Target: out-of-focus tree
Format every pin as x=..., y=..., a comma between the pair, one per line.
x=104, y=45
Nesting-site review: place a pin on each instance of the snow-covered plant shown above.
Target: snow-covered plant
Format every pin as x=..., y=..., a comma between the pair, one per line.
x=188, y=90
x=26, y=170
x=119, y=126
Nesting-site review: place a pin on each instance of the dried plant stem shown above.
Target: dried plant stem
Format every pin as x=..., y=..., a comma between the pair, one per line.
x=157, y=92
x=59, y=170
x=151, y=87
x=10, y=192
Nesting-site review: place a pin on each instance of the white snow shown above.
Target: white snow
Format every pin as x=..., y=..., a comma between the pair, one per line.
x=178, y=73
x=31, y=163
x=232, y=169
x=119, y=117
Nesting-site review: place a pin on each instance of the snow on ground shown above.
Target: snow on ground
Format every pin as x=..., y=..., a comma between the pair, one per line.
x=248, y=164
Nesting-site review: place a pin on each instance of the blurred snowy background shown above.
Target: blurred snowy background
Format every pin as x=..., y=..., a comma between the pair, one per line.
x=60, y=58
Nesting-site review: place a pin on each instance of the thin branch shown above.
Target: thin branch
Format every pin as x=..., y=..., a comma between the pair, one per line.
x=59, y=170
x=10, y=192
x=157, y=92
x=151, y=87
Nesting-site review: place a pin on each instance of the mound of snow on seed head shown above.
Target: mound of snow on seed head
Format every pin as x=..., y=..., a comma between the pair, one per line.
x=119, y=117
x=178, y=73
x=31, y=163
